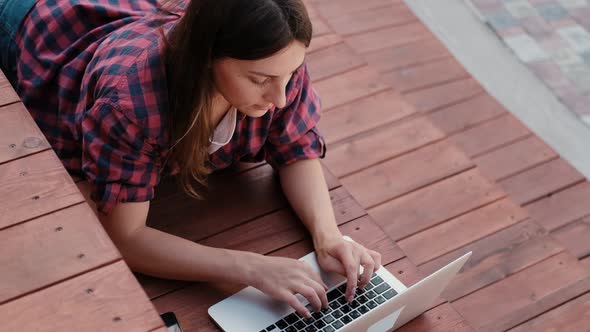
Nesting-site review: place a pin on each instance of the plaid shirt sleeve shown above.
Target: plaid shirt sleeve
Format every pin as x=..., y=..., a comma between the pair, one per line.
x=120, y=165
x=293, y=134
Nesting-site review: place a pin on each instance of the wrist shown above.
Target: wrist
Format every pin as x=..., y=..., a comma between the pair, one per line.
x=245, y=267
x=322, y=237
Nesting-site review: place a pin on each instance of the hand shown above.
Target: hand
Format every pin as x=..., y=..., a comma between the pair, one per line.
x=335, y=254
x=282, y=278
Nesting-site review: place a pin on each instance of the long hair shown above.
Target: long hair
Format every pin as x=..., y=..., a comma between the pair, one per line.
x=211, y=30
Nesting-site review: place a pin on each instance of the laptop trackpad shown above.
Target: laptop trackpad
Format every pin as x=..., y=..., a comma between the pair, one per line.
x=386, y=323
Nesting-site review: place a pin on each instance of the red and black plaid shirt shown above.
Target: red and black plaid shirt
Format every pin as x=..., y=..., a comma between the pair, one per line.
x=92, y=75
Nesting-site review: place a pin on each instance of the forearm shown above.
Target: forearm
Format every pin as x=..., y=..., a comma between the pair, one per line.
x=156, y=253
x=305, y=187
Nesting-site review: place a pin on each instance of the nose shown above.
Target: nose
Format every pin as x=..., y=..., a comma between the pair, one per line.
x=277, y=94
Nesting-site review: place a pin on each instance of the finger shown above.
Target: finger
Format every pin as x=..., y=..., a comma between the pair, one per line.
x=351, y=265
x=311, y=295
x=320, y=291
x=368, y=265
x=377, y=258
x=292, y=300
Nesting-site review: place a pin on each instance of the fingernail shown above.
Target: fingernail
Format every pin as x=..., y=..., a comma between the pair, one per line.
x=307, y=314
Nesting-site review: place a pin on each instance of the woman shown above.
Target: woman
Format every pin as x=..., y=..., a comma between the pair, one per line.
x=129, y=91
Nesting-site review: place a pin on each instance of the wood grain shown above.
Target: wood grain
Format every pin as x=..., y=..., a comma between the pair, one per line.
x=20, y=135
x=7, y=93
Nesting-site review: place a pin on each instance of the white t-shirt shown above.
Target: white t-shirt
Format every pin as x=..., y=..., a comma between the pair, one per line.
x=224, y=131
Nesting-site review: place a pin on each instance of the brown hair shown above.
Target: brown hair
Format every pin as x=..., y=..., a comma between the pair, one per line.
x=211, y=30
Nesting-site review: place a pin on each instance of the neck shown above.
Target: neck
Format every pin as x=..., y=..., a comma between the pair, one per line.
x=220, y=106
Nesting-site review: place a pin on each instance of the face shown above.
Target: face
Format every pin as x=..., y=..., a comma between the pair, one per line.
x=255, y=86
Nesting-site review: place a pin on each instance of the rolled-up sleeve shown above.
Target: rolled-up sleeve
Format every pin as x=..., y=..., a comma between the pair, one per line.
x=293, y=134
x=119, y=163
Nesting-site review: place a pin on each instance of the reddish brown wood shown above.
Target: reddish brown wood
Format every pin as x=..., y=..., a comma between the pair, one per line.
x=380, y=145
x=412, y=54
x=332, y=60
x=514, y=158
x=398, y=176
x=107, y=299
x=461, y=231
x=34, y=186
x=388, y=37
x=443, y=318
x=19, y=136
x=52, y=244
x=434, y=204
x=7, y=94
x=525, y=294
x=425, y=75
x=363, y=115
x=541, y=181
x=562, y=207
x=324, y=41
x=371, y=19
x=445, y=95
x=575, y=237
x=466, y=114
x=490, y=135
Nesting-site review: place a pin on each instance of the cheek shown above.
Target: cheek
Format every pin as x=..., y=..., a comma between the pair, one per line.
x=241, y=92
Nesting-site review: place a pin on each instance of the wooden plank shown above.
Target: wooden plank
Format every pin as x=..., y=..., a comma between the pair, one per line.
x=563, y=207
x=341, y=89
x=412, y=54
x=176, y=213
x=570, y=316
x=575, y=237
x=372, y=18
x=525, y=294
x=495, y=257
x=34, y=186
x=490, y=135
x=409, y=274
x=380, y=145
x=332, y=60
x=461, y=231
x=320, y=27
x=442, y=318
x=514, y=158
x=363, y=115
x=20, y=135
x=324, y=41
x=466, y=114
x=106, y=299
x=331, y=9
x=416, y=169
x=434, y=204
x=53, y=245
x=280, y=228
x=431, y=99
x=541, y=181
x=7, y=94
x=388, y=37
x=425, y=75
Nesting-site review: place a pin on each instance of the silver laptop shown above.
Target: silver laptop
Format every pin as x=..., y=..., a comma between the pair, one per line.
x=383, y=305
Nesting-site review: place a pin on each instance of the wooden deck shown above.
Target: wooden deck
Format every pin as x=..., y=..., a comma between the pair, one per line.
x=422, y=165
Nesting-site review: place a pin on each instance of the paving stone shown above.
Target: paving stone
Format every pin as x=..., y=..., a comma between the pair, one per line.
x=566, y=57
x=573, y=4
x=552, y=11
x=526, y=48
x=536, y=26
x=501, y=20
x=550, y=73
x=586, y=57
x=580, y=75
x=520, y=8
x=577, y=36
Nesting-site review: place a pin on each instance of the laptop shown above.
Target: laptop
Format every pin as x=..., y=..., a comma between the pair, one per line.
x=383, y=305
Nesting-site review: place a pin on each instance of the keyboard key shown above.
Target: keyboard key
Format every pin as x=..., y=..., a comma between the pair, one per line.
x=380, y=299
x=300, y=325
x=342, y=288
x=337, y=324
x=362, y=299
x=310, y=328
x=355, y=304
x=308, y=321
x=290, y=329
x=342, y=300
x=382, y=288
x=319, y=324
x=345, y=309
x=270, y=328
x=292, y=318
x=315, y=315
x=370, y=294
x=346, y=319
x=335, y=305
x=281, y=324
x=337, y=313
x=363, y=309
x=328, y=329
x=354, y=314
x=371, y=304
x=333, y=295
x=376, y=281
x=328, y=319
x=389, y=294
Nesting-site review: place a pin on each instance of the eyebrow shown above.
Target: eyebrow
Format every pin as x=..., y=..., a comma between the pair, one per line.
x=268, y=75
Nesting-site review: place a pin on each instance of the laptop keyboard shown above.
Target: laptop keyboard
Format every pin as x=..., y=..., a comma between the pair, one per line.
x=339, y=313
